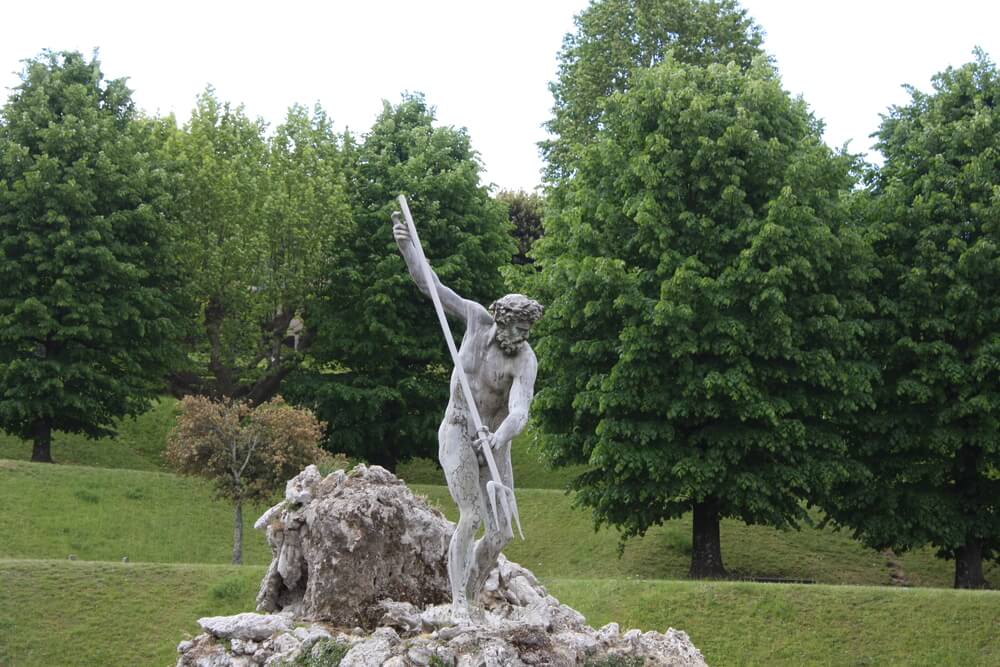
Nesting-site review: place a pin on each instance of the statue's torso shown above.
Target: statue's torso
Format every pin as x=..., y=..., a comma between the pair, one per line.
x=490, y=373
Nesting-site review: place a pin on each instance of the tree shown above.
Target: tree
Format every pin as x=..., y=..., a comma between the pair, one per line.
x=257, y=216
x=705, y=298
x=88, y=282
x=615, y=39
x=525, y=212
x=248, y=452
x=381, y=368
x=930, y=450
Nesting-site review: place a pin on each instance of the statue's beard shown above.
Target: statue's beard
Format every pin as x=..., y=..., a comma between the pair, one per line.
x=507, y=343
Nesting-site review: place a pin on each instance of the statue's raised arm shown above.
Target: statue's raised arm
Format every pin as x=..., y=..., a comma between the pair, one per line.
x=454, y=305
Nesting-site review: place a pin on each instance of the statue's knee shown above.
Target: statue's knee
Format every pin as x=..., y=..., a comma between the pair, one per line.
x=467, y=527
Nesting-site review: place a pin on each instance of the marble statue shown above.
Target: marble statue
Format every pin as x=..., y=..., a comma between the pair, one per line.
x=500, y=369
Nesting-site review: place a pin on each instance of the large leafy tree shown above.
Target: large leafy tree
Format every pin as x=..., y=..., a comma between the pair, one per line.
x=931, y=449
x=88, y=280
x=704, y=306
x=257, y=216
x=381, y=378
x=615, y=39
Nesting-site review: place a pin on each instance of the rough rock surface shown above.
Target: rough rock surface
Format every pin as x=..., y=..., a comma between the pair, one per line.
x=343, y=543
x=368, y=520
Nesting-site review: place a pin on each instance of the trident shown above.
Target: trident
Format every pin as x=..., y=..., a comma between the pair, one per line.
x=506, y=494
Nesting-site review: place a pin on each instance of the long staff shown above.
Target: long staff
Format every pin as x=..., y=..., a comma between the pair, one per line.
x=507, y=500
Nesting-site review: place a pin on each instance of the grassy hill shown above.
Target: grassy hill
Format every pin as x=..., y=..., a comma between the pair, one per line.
x=54, y=511
x=126, y=615
x=113, y=498
x=139, y=444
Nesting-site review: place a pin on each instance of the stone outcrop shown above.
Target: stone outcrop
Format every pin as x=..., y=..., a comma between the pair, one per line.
x=343, y=543
x=359, y=579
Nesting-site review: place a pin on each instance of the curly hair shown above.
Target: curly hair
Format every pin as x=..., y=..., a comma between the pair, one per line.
x=516, y=307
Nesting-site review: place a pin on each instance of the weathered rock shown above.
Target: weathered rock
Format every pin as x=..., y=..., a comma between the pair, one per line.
x=362, y=550
x=248, y=626
x=343, y=543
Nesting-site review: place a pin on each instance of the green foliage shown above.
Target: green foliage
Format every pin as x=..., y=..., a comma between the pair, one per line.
x=324, y=653
x=258, y=217
x=525, y=211
x=705, y=300
x=931, y=448
x=381, y=372
x=88, y=282
x=616, y=39
x=232, y=589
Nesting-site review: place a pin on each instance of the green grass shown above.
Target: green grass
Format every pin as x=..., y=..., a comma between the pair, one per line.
x=561, y=542
x=772, y=624
x=64, y=613
x=139, y=444
x=116, y=500
x=53, y=511
x=112, y=614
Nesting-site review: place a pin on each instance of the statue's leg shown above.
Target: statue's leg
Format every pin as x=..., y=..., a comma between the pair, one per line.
x=489, y=546
x=462, y=473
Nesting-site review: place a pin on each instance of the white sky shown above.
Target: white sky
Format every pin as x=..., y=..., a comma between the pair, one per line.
x=484, y=65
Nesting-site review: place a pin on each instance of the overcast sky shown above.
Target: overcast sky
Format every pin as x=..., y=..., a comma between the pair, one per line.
x=484, y=65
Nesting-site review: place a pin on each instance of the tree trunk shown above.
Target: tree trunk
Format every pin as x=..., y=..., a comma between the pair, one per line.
x=215, y=315
x=706, y=552
x=969, y=565
x=42, y=437
x=238, y=534
x=969, y=556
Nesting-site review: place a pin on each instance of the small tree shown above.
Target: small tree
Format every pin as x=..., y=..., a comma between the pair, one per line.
x=247, y=451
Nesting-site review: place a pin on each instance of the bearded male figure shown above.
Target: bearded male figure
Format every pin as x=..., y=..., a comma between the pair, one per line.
x=501, y=369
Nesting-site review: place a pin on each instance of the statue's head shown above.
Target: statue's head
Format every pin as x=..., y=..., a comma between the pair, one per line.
x=514, y=315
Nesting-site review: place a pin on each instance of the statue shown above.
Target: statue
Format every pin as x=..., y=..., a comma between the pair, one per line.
x=500, y=368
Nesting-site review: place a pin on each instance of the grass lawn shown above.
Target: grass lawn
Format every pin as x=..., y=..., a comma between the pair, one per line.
x=52, y=511
x=114, y=498
x=779, y=624
x=139, y=444
x=71, y=613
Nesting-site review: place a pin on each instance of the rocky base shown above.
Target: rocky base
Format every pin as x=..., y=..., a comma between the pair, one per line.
x=496, y=643
x=521, y=625
x=357, y=578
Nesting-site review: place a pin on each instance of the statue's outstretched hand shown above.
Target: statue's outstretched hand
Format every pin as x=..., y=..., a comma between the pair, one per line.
x=400, y=230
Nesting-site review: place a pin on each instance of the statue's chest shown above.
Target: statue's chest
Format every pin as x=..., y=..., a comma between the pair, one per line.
x=487, y=365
